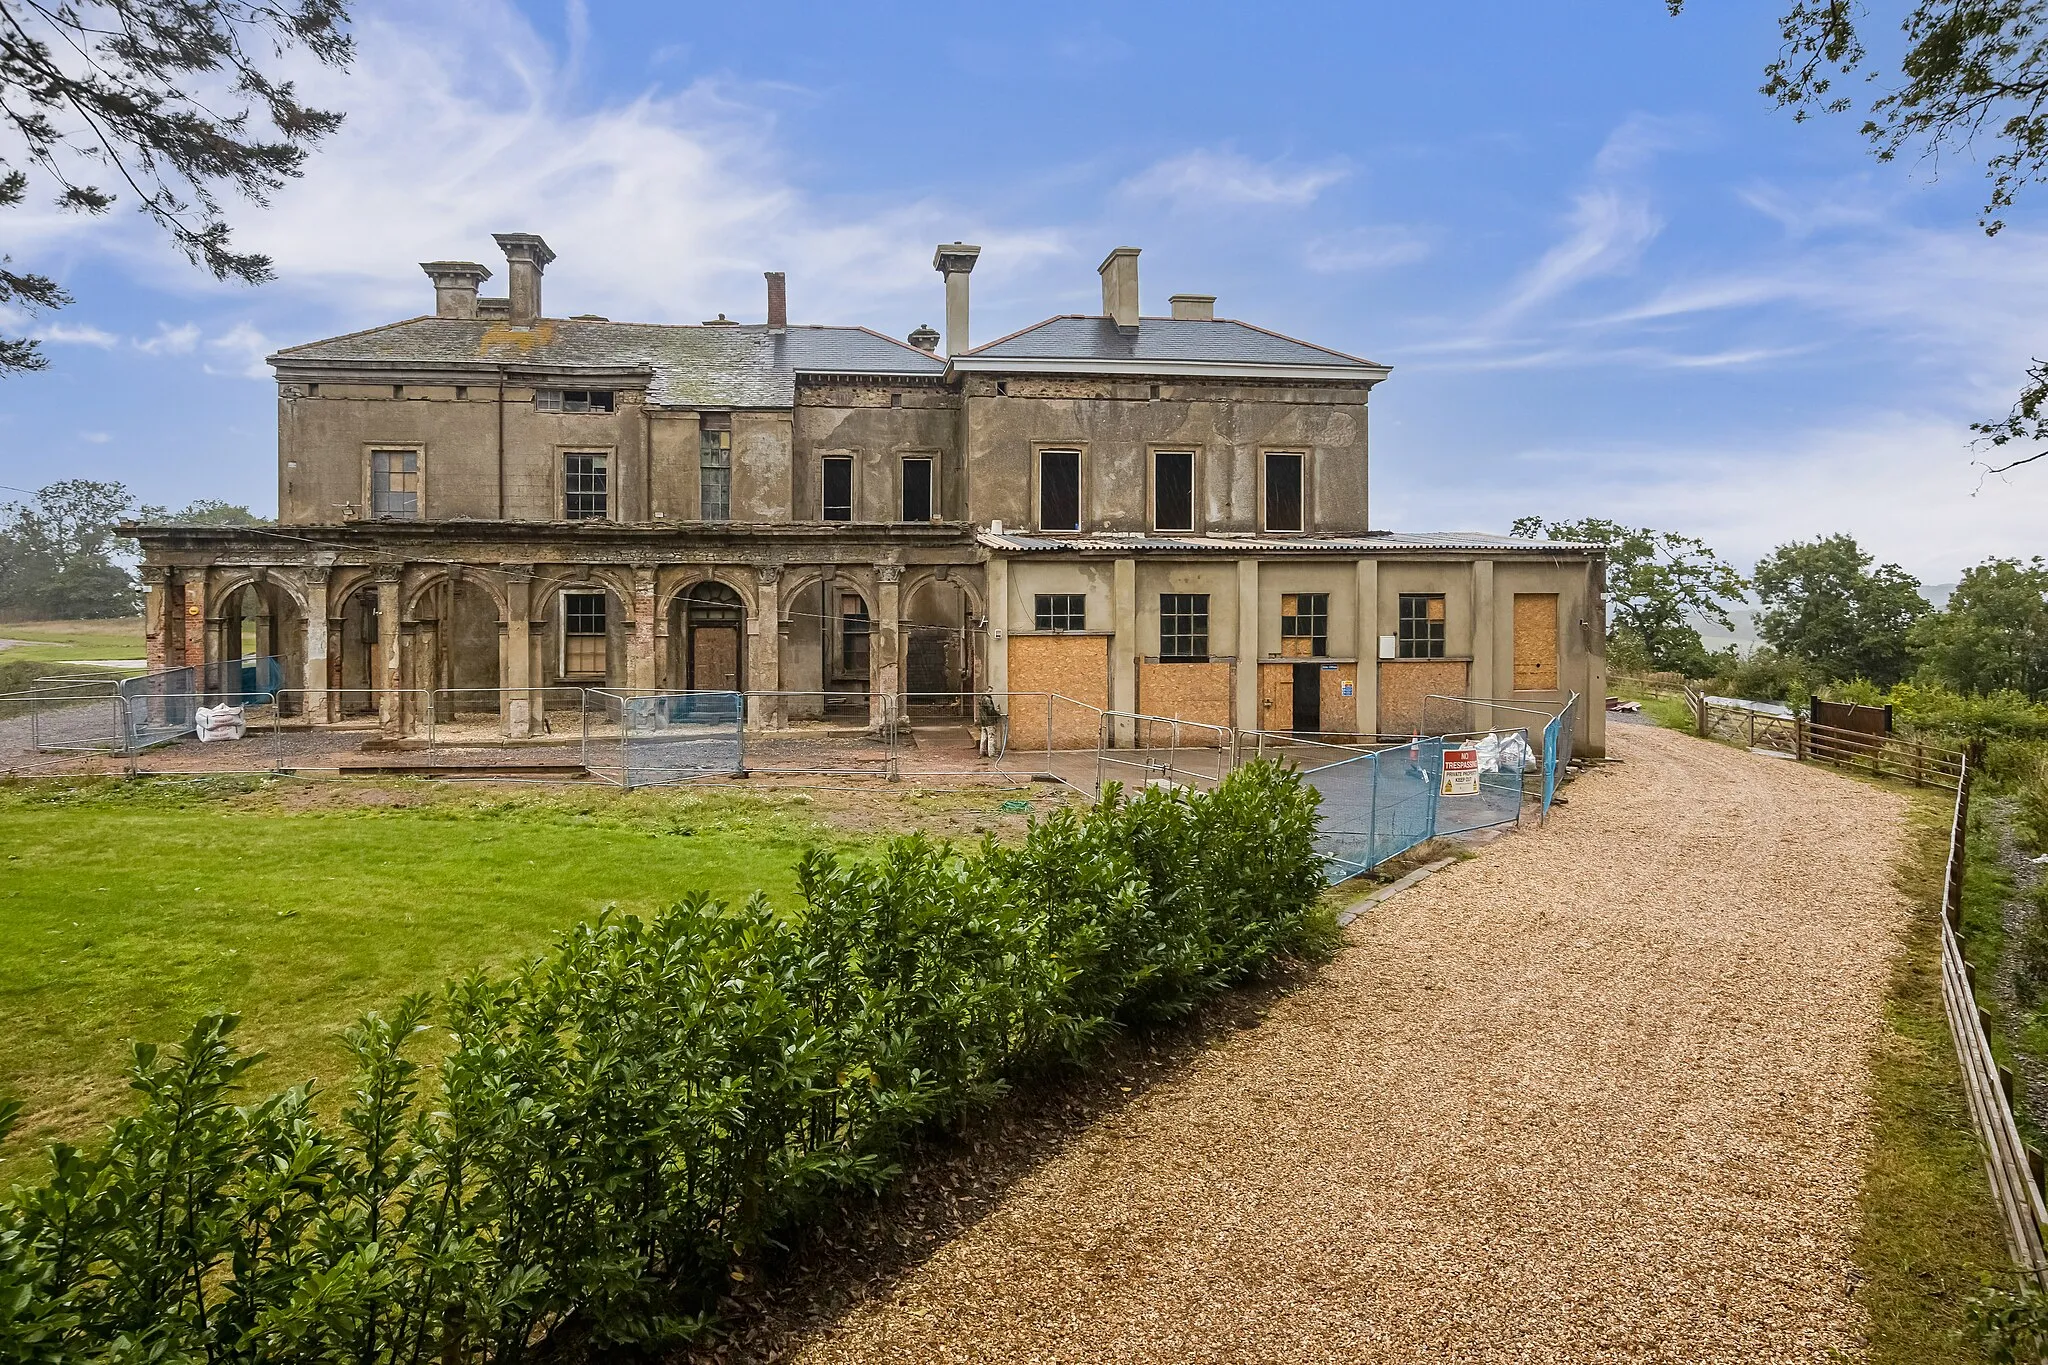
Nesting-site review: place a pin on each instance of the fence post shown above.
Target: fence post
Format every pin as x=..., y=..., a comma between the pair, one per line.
x=1699, y=714
x=1799, y=737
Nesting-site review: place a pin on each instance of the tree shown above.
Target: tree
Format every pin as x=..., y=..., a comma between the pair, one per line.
x=1993, y=635
x=1972, y=71
x=57, y=553
x=201, y=512
x=161, y=96
x=1657, y=583
x=1825, y=604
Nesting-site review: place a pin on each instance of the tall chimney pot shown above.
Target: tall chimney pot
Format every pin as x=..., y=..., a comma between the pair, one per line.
x=1119, y=271
x=455, y=285
x=778, y=301
x=956, y=262
x=526, y=256
x=1194, y=307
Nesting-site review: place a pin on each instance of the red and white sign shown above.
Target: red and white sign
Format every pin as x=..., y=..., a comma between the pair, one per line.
x=1461, y=770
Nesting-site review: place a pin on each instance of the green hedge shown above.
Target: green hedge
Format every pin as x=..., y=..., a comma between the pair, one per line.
x=616, y=1128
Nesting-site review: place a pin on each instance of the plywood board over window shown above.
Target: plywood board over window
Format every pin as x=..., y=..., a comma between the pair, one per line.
x=1073, y=666
x=1535, y=642
x=1406, y=683
x=1197, y=692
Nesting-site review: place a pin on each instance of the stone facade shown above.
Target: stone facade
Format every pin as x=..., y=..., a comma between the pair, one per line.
x=483, y=504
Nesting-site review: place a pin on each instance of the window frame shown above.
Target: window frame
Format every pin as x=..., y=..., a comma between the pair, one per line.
x=704, y=429
x=825, y=463
x=1152, y=482
x=1080, y=455
x=1191, y=607
x=1303, y=513
x=575, y=402
x=930, y=460
x=1043, y=610
x=603, y=454
x=1433, y=641
x=1301, y=625
x=563, y=634
x=370, y=453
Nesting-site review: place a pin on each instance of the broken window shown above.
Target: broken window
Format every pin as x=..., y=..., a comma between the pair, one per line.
x=838, y=488
x=1184, y=627
x=1059, y=490
x=583, y=488
x=1173, y=490
x=1421, y=625
x=1305, y=624
x=714, y=472
x=583, y=634
x=1062, y=611
x=395, y=484
x=1283, y=491
x=917, y=488
x=572, y=400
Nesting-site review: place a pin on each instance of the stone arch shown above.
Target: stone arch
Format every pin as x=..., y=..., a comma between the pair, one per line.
x=826, y=640
x=566, y=656
x=938, y=654
x=707, y=637
x=690, y=575
x=455, y=630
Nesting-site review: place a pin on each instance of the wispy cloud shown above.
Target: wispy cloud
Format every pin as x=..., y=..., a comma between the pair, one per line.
x=1211, y=177
x=98, y=438
x=76, y=334
x=169, y=340
x=239, y=351
x=1365, y=248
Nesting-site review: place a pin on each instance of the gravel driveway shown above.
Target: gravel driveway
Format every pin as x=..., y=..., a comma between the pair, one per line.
x=1597, y=1094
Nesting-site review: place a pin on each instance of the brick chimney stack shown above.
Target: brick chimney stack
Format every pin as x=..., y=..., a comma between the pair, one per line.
x=778, y=302
x=956, y=262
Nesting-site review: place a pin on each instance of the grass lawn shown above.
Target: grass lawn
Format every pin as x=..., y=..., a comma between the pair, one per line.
x=69, y=641
x=130, y=908
x=1930, y=1234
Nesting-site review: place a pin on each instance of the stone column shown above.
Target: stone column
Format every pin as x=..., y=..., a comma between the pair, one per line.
x=1484, y=627
x=213, y=677
x=389, y=673
x=515, y=652
x=764, y=647
x=314, y=680
x=1123, y=649
x=640, y=672
x=156, y=616
x=885, y=659
x=1368, y=629
x=195, y=626
x=1245, y=702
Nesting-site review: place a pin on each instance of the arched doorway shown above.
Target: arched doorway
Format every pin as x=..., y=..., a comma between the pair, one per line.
x=458, y=641
x=937, y=664
x=262, y=644
x=707, y=639
x=353, y=675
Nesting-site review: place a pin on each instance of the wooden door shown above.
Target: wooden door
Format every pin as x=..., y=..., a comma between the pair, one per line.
x=714, y=659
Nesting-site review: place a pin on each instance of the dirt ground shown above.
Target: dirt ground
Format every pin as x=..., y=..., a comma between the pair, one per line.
x=1596, y=1094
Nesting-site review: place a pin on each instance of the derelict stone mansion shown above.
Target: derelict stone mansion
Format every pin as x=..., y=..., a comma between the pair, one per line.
x=1157, y=514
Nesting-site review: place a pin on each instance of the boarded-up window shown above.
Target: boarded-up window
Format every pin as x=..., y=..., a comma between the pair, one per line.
x=1535, y=641
x=1173, y=491
x=1304, y=624
x=1059, y=490
x=1421, y=625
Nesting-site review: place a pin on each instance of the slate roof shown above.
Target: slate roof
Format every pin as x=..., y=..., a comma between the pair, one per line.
x=1028, y=541
x=742, y=366
x=1203, y=341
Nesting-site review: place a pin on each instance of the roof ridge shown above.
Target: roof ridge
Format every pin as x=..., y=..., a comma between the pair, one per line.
x=351, y=336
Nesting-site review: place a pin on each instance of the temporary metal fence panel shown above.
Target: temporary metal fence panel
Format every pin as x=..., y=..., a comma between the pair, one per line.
x=240, y=682
x=1502, y=758
x=1143, y=749
x=160, y=707
x=256, y=750
x=668, y=738
x=1376, y=806
x=823, y=734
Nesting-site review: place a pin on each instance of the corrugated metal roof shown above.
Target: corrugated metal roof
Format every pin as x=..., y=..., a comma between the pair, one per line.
x=1380, y=541
x=741, y=366
x=1165, y=340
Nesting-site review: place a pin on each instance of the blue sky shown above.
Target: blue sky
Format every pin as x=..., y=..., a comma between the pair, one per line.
x=1610, y=278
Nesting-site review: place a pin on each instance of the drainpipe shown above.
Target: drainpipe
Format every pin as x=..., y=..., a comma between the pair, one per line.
x=501, y=443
